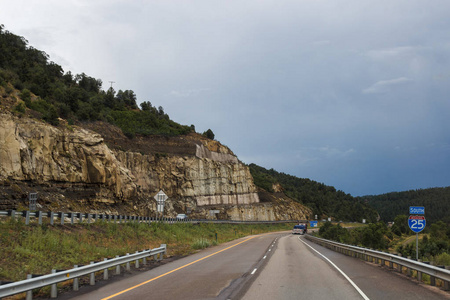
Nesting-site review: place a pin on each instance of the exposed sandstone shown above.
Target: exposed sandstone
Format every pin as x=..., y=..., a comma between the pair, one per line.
x=75, y=167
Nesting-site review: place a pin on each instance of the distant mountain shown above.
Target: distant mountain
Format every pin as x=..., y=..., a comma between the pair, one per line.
x=435, y=200
x=324, y=200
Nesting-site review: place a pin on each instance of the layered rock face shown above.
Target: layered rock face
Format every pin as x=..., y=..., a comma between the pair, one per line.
x=75, y=166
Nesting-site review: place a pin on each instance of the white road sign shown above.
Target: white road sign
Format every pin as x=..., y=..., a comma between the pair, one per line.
x=160, y=198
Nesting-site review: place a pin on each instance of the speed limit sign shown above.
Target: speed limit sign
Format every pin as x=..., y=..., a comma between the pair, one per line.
x=416, y=223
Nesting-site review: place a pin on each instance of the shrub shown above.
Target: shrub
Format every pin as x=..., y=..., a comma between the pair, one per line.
x=209, y=134
x=20, y=108
x=25, y=95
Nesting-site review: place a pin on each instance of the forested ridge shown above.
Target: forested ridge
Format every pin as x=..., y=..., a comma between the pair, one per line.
x=325, y=201
x=435, y=200
x=47, y=92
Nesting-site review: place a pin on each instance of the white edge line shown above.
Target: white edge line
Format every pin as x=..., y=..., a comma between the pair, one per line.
x=254, y=271
x=345, y=275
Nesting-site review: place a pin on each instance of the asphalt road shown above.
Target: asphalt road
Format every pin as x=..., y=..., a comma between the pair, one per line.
x=296, y=271
x=269, y=266
x=214, y=273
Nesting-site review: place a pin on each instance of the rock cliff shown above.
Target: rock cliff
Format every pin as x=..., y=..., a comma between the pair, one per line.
x=76, y=168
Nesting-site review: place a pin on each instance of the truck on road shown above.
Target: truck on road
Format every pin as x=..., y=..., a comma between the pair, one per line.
x=300, y=229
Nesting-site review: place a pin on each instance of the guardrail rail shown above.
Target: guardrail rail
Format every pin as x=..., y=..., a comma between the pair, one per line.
x=77, y=217
x=401, y=264
x=74, y=274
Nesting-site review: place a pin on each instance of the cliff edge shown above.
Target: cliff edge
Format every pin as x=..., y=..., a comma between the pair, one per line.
x=95, y=168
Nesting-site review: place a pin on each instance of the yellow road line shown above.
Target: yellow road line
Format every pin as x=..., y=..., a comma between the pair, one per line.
x=174, y=270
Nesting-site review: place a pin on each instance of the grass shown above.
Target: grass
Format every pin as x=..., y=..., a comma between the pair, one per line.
x=37, y=249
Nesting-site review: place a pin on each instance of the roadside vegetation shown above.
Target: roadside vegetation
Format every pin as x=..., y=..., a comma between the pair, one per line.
x=36, y=249
x=434, y=242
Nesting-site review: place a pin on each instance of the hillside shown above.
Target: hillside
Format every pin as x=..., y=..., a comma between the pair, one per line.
x=435, y=200
x=138, y=152
x=52, y=94
x=323, y=200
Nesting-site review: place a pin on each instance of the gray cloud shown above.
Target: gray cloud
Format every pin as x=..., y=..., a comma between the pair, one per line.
x=385, y=86
x=279, y=82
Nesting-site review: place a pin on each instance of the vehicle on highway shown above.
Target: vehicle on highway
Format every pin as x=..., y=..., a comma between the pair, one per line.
x=181, y=216
x=300, y=229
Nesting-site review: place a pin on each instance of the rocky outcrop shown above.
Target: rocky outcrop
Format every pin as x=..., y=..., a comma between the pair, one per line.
x=76, y=168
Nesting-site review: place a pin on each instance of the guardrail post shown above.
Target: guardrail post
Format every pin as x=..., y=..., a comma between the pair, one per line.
x=136, y=263
x=89, y=216
x=26, y=214
x=446, y=283
x=30, y=292
x=13, y=214
x=76, y=286
x=128, y=264
x=72, y=218
x=39, y=215
x=117, y=267
x=105, y=271
x=52, y=218
x=432, y=278
x=408, y=270
x=96, y=217
x=61, y=214
x=80, y=218
x=92, y=276
x=54, y=289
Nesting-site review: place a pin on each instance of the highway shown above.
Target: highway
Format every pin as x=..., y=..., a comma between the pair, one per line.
x=269, y=266
x=300, y=269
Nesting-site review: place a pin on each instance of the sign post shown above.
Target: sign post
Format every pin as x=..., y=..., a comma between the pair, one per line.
x=417, y=223
x=32, y=197
x=160, y=198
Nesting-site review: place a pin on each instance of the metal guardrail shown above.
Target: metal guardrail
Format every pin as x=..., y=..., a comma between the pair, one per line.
x=73, y=274
x=392, y=260
x=76, y=217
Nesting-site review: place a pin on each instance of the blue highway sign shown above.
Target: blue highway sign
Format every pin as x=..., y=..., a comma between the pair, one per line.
x=416, y=210
x=416, y=223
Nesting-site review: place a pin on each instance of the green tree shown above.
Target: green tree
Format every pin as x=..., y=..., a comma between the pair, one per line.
x=400, y=225
x=209, y=134
x=146, y=106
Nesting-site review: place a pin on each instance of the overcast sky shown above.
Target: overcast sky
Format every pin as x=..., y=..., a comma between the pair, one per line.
x=351, y=93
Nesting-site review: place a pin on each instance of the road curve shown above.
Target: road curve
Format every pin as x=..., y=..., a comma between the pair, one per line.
x=268, y=266
x=300, y=269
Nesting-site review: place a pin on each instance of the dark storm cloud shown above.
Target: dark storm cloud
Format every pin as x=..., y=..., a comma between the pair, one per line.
x=350, y=93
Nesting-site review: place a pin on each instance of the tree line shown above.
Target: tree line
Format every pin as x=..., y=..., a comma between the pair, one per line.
x=325, y=201
x=435, y=200
x=52, y=93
